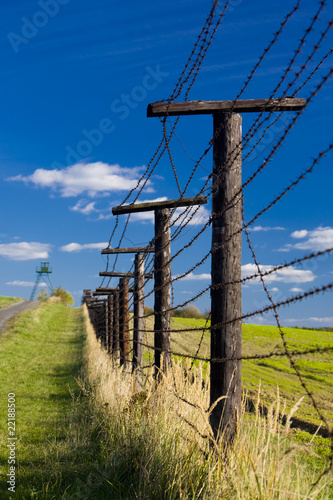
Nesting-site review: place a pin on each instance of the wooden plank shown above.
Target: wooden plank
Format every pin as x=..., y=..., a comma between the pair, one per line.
x=210, y=107
x=154, y=205
x=122, y=275
x=128, y=250
x=226, y=339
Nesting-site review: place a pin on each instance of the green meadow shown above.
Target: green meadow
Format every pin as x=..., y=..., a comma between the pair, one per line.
x=316, y=369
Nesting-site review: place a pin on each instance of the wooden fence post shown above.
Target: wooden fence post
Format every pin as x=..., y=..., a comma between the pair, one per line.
x=124, y=322
x=110, y=323
x=226, y=339
x=106, y=323
x=162, y=339
x=115, y=345
x=139, y=262
x=162, y=268
x=226, y=250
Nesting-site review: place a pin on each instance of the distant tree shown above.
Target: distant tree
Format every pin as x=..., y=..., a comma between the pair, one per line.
x=64, y=296
x=43, y=295
x=188, y=312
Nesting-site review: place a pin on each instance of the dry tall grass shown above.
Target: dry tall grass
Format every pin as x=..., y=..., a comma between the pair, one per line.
x=158, y=441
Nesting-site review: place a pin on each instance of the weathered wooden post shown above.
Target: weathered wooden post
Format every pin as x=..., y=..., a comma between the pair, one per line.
x=139, y=278
x=115, y=346
x=162, y=269
x=110, y=326
x=226, y=307
x=139, y=306
x=226, y=301
x=106, y=323
x=124, y=321
x=162, y=304
x=124, y=325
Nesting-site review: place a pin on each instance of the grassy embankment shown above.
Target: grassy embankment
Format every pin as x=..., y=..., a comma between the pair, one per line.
x=7, y=301
x=105, y=442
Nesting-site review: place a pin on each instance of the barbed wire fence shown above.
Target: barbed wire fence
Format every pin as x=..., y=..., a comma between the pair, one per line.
x=306, y=71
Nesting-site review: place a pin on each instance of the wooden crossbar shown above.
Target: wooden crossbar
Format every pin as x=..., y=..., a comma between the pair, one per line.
x=128, y=250
x=106, y=289
x=156, y=205
x=96, y=294
x=122, y=275
x=210, y=107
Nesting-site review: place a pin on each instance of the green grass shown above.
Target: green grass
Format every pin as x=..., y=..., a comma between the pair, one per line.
x=93, y=440
x=40, y=356
x=316, y=369
x=7, y=301
x=156, y=444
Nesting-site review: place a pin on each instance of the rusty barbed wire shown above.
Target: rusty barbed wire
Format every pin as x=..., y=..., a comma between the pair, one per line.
x=184, y=218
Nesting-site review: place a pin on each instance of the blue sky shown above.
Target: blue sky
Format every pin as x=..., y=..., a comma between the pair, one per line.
x=78, y=77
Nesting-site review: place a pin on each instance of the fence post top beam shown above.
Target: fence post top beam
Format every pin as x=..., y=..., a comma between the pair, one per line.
x=156, y=205
x=156, y=109
x=149, y=249
x=122, y=275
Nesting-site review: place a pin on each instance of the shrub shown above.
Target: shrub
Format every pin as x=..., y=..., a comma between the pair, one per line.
x=64, y=296
x=43, y=295
x=188, y=312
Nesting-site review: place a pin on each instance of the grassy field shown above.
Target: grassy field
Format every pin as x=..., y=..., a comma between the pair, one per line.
x=40, y=356
x=7, y=301
x=316, y=369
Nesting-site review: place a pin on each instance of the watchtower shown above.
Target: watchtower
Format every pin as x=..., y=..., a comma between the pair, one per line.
x=42, y=273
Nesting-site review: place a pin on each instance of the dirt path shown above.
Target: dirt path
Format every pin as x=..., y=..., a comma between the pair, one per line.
x=9, y=312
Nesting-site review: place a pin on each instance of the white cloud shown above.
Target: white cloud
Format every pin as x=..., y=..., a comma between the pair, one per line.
x=323, y=320
x=192, y=277
x=266, y=228
x=194, y=215
x=328, y=321
x=296, y=290
x=84, y=207
x=275, y=289
x=299, y=234
x=286, y=275
x=90, y=178
x=24, y=283
x=77, y=247
x=318, y=239
x=25, y=250
x=200, y=216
